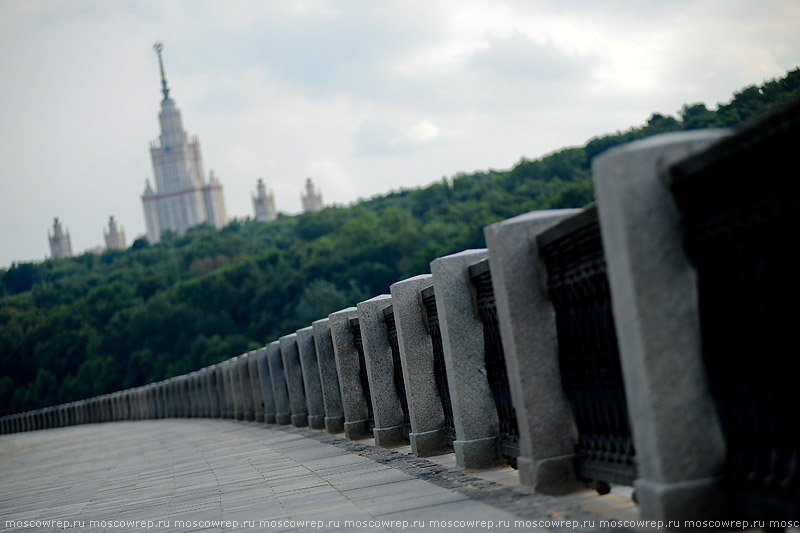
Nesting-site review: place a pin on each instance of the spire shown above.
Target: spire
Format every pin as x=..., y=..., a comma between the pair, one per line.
x=158, y=47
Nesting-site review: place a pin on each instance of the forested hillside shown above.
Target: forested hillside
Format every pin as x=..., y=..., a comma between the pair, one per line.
x=78, y=327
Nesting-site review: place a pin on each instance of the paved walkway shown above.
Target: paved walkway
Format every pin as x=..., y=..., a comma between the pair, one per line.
x=223, y=475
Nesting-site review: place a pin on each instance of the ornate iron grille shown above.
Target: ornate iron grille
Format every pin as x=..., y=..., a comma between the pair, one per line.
x=439, y=369
x=397, y=368
x=355, y=328
x=494, y=357
x=587, y=343
x=740, y=203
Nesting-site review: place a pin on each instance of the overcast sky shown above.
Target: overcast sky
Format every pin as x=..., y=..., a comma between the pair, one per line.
x=362, y=96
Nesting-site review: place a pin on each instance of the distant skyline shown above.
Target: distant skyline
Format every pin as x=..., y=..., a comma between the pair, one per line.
x=363, y=97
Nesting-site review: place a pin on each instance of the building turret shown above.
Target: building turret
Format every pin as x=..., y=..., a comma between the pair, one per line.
x=264, y=203
x=60, y=245
x=115, y=236
x=312, y=200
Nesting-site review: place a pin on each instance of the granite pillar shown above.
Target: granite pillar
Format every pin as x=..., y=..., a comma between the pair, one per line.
x=219, y=379
x=528, y=328
x=679, y=443
x=390, y=427
x=416, y=351
x=255, y=385
x=306, y=349
x=328, y=376
x=265, y=379
x=236, y=389
x=294, y=380
x=245, y=392
x=212, y=391
x=354, y=403
x=280, y=391
x=474, y=410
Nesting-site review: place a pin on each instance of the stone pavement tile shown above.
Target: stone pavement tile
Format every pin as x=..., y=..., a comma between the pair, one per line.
x=314, y=498
x=287, y=471
x=355, y=467
x=389, y=503
x=399, y=489
x=366, y=479
x=386, y=505
x=464, y=510
x=199, y=489
x=57, y=511
x=299, y=485
x=260, y=493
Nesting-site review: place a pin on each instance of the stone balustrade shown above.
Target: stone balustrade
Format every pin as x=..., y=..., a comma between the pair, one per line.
x=578, y=346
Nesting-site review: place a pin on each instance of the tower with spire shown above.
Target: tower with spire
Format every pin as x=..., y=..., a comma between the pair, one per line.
x=312, y=199
x=114, y=235
x=60, y=245
x=264, y=203
x=182, y=196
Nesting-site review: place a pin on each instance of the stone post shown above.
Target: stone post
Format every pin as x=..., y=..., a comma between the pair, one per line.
x=255, y=385
x=679, y=443
x=390, y=427
x=133, y=411
x=280, y=391
x=245, y=393
x=83, y=410
x=416, y=351
x=236, y=389
x=354, y=405
x=124, y=408
x=222, y=389
x=116, y=399
x=266, y=385
x=141, y=399
x=212, y=391
x=163, y=405
x=137, y=400
x=168, y=401
x=528, y=328
x=294, y=380
x=308, y=362
x=159, y=401
x=184, y=409
x=174, y=399
x=328, y=376
x=116, y=409
x=112, y=410
x=219, y=379
x=194, y=395
x=474, y=410
x=201, y=392
x=201, y=378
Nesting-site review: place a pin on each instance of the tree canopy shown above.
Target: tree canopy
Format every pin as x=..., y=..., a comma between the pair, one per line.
x=89, y=325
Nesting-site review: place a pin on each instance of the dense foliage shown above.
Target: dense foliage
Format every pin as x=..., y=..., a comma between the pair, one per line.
x=78, y=327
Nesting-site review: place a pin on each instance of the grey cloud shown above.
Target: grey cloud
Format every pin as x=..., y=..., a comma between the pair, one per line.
x=381, y=137
x=520, y=57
